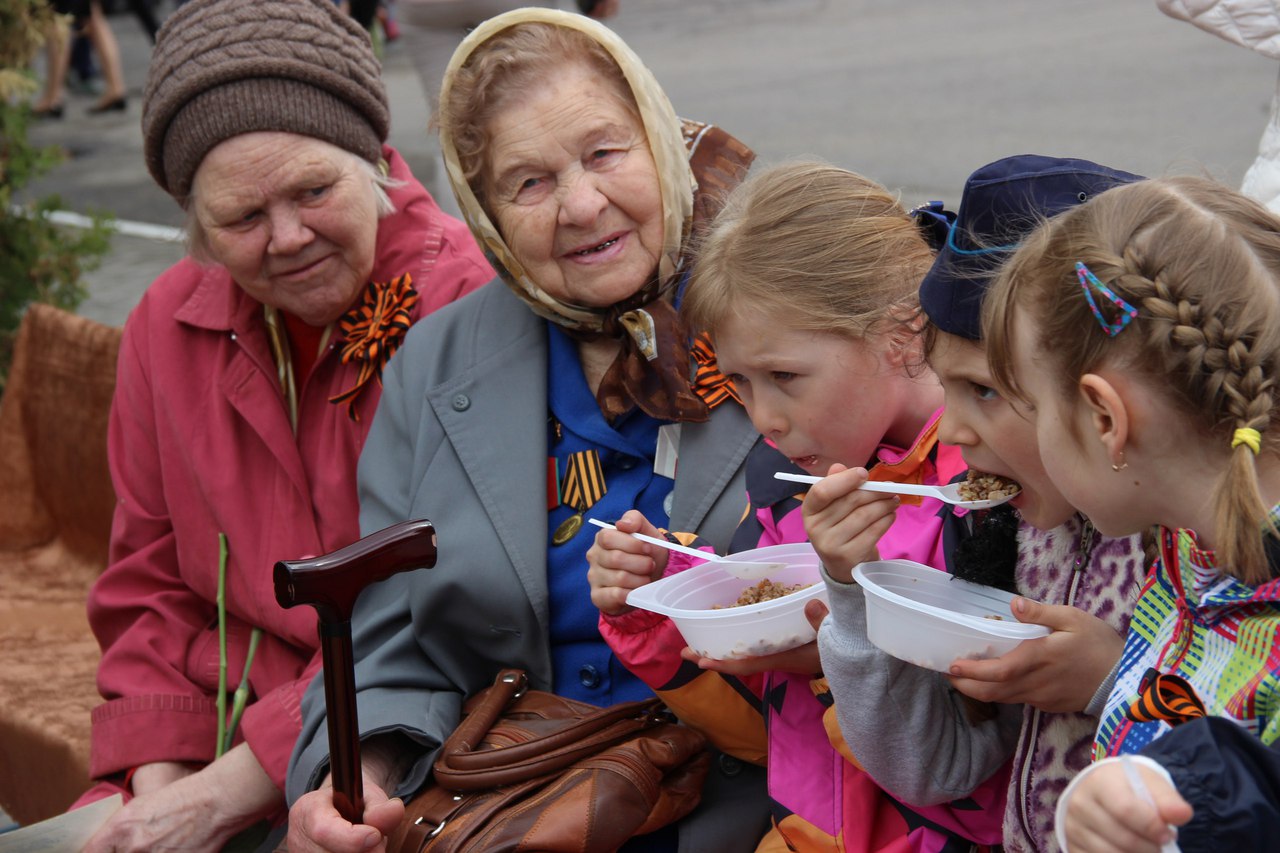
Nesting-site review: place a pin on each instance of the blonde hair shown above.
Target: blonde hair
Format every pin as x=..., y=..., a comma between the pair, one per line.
x=1201, y=263
x=505, y=67
x=821, y=247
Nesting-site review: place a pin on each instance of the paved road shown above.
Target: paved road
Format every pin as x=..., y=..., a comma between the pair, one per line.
x=914, y=94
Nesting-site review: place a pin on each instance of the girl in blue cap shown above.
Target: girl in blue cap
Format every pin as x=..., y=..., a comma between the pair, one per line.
x=1143, y=334
x=1072, y=580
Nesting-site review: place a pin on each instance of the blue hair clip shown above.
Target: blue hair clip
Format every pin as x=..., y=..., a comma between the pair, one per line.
x=1089, y=283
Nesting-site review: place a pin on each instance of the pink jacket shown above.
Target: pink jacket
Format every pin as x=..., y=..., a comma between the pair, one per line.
x=200, y=443
x=822, y=799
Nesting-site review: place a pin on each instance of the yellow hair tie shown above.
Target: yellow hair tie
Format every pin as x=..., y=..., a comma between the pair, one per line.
x=1249, y=437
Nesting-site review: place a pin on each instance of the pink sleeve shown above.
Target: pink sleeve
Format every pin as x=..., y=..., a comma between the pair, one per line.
x=144, y=615
x=273, y=723
x=720, y=706
x=646, y=643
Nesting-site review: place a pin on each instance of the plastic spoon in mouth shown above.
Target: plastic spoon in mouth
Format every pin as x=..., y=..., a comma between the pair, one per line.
x=737, y=568
x=949, y=494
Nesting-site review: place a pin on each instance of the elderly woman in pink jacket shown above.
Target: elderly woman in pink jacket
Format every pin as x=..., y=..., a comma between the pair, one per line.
x=247, y=382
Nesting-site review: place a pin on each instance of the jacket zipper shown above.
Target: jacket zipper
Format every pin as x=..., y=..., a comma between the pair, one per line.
x=1084, y=553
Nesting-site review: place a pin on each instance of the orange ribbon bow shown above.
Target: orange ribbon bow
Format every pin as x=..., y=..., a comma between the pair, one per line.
x=1164, y=696
x=708, y=382
x=374, y=330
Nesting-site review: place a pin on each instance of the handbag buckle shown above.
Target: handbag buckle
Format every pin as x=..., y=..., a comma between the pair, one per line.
x=440, y=826
x=433, y=833
x=514, y=678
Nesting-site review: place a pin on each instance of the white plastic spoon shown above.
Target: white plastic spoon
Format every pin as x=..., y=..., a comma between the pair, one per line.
x=737, y=568
x=949, y=494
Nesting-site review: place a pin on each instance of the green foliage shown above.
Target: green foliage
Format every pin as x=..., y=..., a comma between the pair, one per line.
x=39, y=261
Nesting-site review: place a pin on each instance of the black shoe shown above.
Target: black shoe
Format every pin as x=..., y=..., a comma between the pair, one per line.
x=112, y=106
x=51, y=111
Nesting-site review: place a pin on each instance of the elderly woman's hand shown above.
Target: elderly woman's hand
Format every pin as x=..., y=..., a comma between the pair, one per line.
x=314, y=822
x=315, y=825
x=618, y=563
x=199, y=811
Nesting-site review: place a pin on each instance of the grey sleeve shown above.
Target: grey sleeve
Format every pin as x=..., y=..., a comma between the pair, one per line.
x=399, y=692
x=905, y=724
x=1099, y=700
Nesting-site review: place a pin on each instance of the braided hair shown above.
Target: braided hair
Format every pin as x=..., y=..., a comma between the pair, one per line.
x=1201, y=263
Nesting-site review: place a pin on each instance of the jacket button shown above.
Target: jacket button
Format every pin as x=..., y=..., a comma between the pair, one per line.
x=589, y=676
x=461, y=402
x=729, y=765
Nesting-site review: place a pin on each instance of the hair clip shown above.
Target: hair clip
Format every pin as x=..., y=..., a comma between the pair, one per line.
x=1089, y=283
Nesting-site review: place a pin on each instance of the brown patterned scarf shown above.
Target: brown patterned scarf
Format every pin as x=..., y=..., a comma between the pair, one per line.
x=697, y=165
x=653, y=369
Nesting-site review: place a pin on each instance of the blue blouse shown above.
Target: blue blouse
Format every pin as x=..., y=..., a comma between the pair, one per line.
x=583, y=666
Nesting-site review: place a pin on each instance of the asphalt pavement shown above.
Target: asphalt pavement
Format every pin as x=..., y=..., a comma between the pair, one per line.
x=913, y=94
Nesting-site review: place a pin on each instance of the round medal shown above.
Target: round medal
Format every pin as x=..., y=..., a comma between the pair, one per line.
x=567, y=529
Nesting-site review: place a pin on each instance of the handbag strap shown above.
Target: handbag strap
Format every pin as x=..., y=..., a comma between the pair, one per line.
x=462, y=766
x=469, y=733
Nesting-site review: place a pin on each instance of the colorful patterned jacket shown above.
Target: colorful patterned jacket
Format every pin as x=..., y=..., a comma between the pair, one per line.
x=1218, y=633
x=822, y=799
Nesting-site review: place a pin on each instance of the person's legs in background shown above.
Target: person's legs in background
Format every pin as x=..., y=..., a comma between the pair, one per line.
x=108, y=50
x=83, y=78
x=57, y=51
x=146, y=16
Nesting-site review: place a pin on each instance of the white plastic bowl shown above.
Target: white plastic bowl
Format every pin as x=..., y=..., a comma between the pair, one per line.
x=738, y=632
x=929, y=618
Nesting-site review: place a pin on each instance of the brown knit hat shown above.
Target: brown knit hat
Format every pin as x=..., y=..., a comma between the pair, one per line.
x=225, y=67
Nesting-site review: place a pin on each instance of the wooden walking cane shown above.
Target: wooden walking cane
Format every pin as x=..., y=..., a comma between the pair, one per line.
x=331, y=584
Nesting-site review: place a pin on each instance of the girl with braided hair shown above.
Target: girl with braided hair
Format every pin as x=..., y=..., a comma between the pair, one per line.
x=1143, y=331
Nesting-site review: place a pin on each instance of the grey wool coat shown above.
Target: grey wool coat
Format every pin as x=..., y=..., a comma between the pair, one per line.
x=459, y=438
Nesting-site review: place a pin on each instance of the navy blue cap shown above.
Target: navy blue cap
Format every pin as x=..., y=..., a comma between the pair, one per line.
x=1001, y=204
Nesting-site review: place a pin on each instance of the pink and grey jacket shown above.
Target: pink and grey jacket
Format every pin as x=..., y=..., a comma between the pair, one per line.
x=822, y=798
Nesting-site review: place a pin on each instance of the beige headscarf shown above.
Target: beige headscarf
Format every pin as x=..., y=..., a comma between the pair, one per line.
x=665, y=142
x=652, y=370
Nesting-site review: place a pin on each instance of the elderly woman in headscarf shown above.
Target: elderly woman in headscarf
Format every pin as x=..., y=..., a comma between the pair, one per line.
x=247, y=383
x=565, y=390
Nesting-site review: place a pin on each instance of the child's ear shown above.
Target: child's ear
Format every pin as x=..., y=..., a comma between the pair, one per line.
x=904, y=344
x=1107, y=414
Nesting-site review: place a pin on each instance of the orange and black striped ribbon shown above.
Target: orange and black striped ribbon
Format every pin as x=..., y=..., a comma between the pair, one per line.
x=374, y=330
x=708, y=382
x=1164, y=696
x=583, y=480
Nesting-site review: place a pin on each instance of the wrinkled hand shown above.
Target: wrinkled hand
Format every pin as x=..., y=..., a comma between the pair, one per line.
x=315, y=825
x=802, y=659
x=618, y=563
x=1105, y=815
x=163, y=819
x=843, y=523
x=178, y=809
x=1058, y=673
